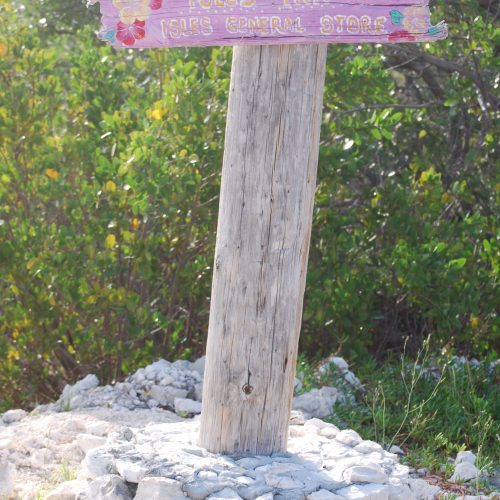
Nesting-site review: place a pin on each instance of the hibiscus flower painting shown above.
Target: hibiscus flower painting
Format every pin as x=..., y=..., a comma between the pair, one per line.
x=129, y=33
x=133, y=16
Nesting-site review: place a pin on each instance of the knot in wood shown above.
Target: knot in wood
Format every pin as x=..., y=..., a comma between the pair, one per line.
x=247, y=389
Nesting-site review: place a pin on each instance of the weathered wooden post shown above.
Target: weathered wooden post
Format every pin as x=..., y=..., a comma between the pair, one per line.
x=265, y=215
x=268, y=182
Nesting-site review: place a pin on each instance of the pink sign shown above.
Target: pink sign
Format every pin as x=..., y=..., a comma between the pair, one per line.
x=180, y=23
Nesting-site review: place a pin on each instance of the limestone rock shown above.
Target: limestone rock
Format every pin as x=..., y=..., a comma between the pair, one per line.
x=7, y=477
x=396, y=449
x=348, y=437
x=109, y=487
x=225, y=493
x=87, y=442
x=97, y=463
x=323, y=495
x=11, y=416
x=368, y=447
x=184, y=406
x=132, y=472
x=166, y=395
x=365, y=474
x=317, y=402
x=69, y=490
x=399, y=490
x=365, y=492
x=465, y=456
x=159, y=488
x=422, y=489
x=464, y=471
x=199, y=365
x=283, y=482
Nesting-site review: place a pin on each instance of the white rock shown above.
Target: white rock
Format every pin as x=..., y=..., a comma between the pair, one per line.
x=166, y=395
x=368, y=447
x=464, y=471
x=7, y=478
x=318, y=424
x=98, y=428
x=87, y=442
x=199, y=365
x=465, y=456
x=317, y=402
x=225, y=493
x=189, y=406
x=159, y=488
x=39, y=458
x=323, y=495
x=86, y=383
x=132, y=472
x=337, y=362
x=283, y=482
x=396, y=450
x=109, y=487
x=297, y=385
x=399, y=490
x=350, y=378
x=365, y=492
x=198, y=391
x=68, y=490
x=207, y=475
x=167, y=380
x=6, y=443
x=422, y=489
x=329, y=432
x=297, y=418
x=348, y=437
x=11, y=416
x=365, y=474
x=97, y=463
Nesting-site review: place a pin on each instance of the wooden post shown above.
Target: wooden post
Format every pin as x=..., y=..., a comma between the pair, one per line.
x=264, y=227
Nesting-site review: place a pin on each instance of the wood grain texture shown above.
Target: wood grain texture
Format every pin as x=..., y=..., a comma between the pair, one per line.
x=265, y=214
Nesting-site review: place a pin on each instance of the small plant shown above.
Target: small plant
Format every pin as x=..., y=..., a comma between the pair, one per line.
x=431, y=408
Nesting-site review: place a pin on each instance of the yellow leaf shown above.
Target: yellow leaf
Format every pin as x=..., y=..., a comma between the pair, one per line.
x=445, y=197
x=182, y=153
x=157, y=114
x=110, y=241
x=14, y=289
x=31, y=263
x=91, y=299
x=110, y=187
x=3, y=49
x=51, y=173
x=135, y=223
x=422, y=134
x=13, y=355
x=474, y=322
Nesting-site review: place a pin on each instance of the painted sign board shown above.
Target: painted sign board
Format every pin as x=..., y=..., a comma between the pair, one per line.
x=182, y=23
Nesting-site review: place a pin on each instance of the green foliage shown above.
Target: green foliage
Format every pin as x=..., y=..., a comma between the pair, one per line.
x=109, y=177
x=109, y=182
x=405, y=240
x=432, y=414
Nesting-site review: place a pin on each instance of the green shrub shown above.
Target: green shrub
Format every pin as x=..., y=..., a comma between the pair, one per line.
x=109, y=177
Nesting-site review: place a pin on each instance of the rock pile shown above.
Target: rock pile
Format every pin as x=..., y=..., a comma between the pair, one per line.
x=124, y=441
x=172, y=386
x=163, y=461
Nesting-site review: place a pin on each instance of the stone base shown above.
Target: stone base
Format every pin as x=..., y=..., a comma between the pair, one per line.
x=163, y=461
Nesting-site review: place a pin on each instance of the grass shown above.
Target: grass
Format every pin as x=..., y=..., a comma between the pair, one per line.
x=427, y=406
